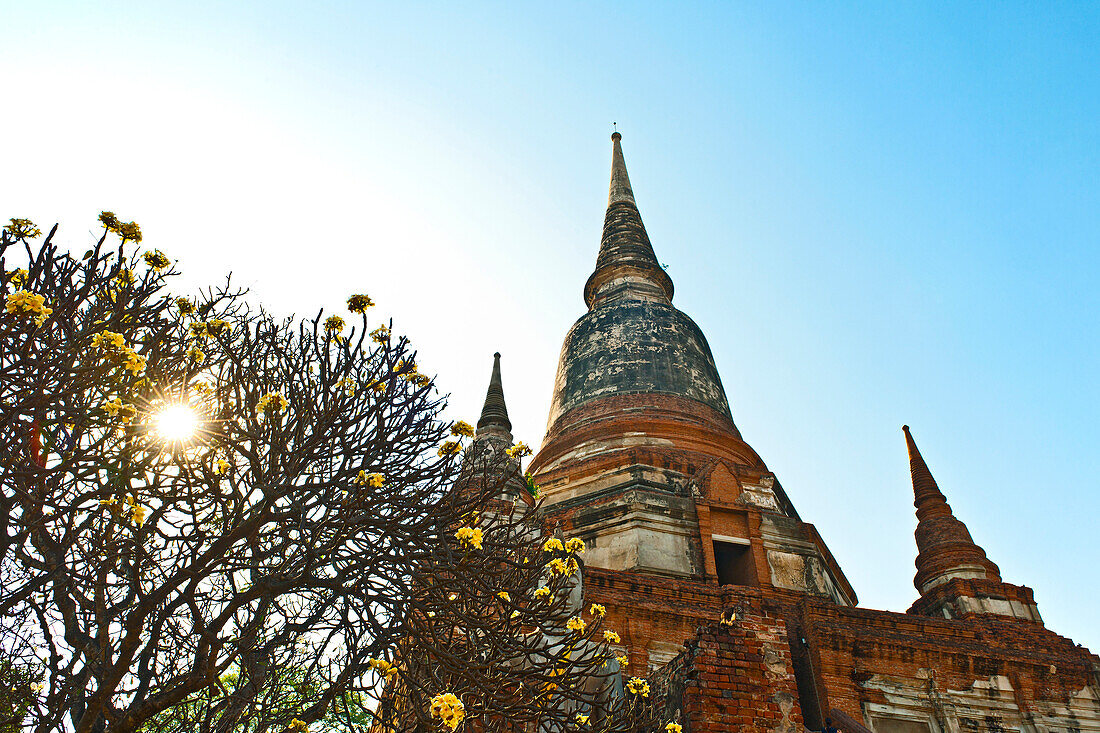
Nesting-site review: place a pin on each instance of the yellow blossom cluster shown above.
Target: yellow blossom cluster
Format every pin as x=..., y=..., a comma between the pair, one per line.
x=582, y=719
x=359, y=303
x=623, y=660
x=217, y=326
x=125, y=277
x=28, y=305
x=380, y=335
x=271, y=402
x=378, y=387
x=449, y=448
x=374, y=480
x=597, y=610
x=470, y=537
x=348, y=385
x=115, y=408
x=115, y=345
x=22, y=229
x=137, y=511
x=553, y=544
x=382, y=667
x=184, y=306
x=638, y=686
x=299, y=725
x=674, y=728
x=519, y=450
x=503, y=595
x=542, y=593
x=575, y=545
x=199, y=331
x=156, y=259
x=462, y=429
x=126, y=230
x=558, y=566
x=611, y=637
x=334, y=324
x=576, y=624
x=221, y=466
x=19, y=277
x=449, y=709
x=196, y=355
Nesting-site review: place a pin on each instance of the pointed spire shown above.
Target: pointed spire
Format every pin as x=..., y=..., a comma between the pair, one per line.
x=620, y=180
x=945, y=549
x=626, y=266
x=494, y=415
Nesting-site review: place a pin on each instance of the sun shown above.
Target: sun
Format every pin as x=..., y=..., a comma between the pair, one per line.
x=176, y=423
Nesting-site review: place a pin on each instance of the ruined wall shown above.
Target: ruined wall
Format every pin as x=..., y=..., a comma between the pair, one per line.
x=737, y=677
x=898, y=672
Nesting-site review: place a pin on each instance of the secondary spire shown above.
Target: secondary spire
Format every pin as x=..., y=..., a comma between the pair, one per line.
x=626, y=266
x=945, y=549
x=494, y=415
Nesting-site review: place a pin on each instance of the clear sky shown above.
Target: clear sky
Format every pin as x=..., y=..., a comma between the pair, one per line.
x=879, y=214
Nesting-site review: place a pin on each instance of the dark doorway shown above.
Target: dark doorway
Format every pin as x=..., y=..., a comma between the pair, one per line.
x=734, y=564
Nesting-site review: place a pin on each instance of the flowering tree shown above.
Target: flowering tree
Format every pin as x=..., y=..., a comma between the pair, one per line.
x=215, y=520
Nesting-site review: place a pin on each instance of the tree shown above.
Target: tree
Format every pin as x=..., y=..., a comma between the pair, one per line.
x=217, y=520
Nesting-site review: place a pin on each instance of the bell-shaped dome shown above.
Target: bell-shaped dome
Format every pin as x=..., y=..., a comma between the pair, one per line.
x=635, y=346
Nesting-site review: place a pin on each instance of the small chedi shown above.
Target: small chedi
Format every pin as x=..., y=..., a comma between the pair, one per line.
x=720, y=591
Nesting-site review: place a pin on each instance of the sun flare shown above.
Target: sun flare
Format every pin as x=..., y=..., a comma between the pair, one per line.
x=176, y=423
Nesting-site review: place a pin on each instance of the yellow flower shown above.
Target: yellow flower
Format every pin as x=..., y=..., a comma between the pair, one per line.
x=196, y=355
x=557, y=566
x=575, y=545
x=378, y=386
x=299, y=725
x=519, y=450
x=449, y=448
x=156, y=259
x=19, y=278
x=449, y=709
x=334, y=324
x=134, y=363
x=674, y=728
x=185, y=306
x=503, y=595
x=638, y=686
x=199, y=331
x=623, y=660
x=359, y=303
x=380, y=335
x=382, y=666
x=597, y=610
x=27, y=304
x=129, y=230
x=470, y=537
x=109, y=220
x=137, y=514
x=22, y=229
x=463, y=429
x=115, y=408
x=420, y=380
x=576, y=624
x=109, y=340
x=375, y=480
x=221, y=466
x=582, y=719
x=218, y=326
x=611, y=637
x=125, y=277
x=271, y=402
x=542, y=592
x=553, y=544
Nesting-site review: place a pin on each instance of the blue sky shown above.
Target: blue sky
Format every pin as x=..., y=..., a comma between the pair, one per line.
x=878, y=214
